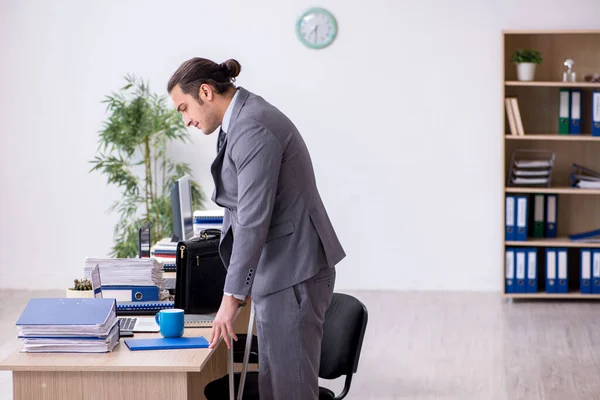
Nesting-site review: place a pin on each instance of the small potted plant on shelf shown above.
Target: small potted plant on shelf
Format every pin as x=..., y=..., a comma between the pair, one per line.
x=81, y=288
x=526, y=61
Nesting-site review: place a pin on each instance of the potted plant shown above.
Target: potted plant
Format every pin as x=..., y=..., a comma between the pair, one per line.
x=132, y=153
x=526, y=61
x=81, y=288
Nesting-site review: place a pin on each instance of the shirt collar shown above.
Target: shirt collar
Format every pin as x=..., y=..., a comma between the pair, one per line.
x=227, y=116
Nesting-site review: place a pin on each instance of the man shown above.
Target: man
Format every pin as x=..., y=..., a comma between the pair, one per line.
x=278, y=243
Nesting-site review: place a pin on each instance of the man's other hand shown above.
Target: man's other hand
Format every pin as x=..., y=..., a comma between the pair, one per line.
x=223, y=323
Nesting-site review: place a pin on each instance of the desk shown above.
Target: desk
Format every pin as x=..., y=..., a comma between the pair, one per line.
x=121, y=374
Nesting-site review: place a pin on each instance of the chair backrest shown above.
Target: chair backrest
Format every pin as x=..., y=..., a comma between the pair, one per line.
x=343, y=332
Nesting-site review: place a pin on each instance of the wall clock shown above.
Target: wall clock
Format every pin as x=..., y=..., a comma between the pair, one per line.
x=316, y=28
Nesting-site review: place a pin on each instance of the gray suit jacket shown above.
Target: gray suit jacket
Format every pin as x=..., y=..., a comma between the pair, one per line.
x=276, y=232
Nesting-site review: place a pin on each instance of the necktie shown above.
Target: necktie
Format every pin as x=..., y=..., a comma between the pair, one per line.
x=221, y=140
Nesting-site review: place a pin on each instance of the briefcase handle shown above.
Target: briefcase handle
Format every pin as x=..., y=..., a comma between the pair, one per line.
x=209, y=233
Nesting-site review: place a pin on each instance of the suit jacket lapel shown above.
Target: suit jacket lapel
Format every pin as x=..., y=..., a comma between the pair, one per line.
x=215, y=168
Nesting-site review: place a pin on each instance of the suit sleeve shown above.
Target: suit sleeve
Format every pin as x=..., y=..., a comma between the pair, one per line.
x=257, y=155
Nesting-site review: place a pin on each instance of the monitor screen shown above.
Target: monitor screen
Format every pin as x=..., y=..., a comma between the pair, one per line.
x=181, y=205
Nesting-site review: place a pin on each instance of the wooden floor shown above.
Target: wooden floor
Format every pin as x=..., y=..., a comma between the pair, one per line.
x=454, y=345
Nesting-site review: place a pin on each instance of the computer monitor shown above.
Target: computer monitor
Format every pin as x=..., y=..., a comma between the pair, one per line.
x=181, y=207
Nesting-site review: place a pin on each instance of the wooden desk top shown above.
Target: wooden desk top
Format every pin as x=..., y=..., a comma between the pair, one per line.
x=120, y=359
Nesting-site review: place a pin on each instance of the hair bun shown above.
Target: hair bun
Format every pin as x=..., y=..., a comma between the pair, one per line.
x=233, y=67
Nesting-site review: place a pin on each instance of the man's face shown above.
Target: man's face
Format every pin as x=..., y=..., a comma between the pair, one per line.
x=200, y=115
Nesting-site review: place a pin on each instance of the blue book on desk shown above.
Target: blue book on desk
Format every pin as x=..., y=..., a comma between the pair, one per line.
x=198, y=342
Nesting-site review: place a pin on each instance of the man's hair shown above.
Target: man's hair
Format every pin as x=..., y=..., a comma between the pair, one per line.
x=197, y=71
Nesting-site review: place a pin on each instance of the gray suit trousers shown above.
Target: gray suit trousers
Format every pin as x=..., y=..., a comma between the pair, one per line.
x=289, y=325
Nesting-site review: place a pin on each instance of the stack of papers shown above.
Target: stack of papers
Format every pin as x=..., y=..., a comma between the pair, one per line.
x=532, y=172
x=127, y=271
x=70, y=325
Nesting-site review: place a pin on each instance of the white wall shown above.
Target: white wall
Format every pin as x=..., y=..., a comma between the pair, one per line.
x=402, y=116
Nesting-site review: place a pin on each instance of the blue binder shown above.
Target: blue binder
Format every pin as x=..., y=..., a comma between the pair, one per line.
x=131, y=293
x=521, y=268
x=551, y=258
x=562, y=271
x=596, y=113
x=532, y=267
x=551, y=215
x=510, y=210
x=198, y=342
x=575, y=125
x=596, y=271
x=67, y=311
x=509, y=268
x=585, y=281
x=522, y=220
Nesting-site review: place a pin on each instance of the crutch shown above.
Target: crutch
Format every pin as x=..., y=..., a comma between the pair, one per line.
x=245, y=362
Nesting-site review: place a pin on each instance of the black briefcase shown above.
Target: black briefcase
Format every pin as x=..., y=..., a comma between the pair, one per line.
x=200, y=277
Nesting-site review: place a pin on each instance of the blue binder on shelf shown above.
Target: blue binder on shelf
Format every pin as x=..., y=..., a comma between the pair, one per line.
x=551, y=270
x=509, y=268
x=575, y=124
x=596, y=271
x=197, y=342
x=522, y=220
x=521, y=268
x=562, y=271
x=551, y=215
x=510, y=218
x=532, y=268
x=596, y=113
x=585, y=281
x=588, y=236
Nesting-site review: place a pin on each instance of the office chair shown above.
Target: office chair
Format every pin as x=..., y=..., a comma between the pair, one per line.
x=343, y=332
x=239, y=347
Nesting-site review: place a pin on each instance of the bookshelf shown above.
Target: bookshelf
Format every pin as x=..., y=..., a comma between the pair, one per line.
x=578, y=210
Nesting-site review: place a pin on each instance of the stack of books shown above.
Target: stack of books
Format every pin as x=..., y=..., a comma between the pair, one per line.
x=164, y=252
x=69, y=325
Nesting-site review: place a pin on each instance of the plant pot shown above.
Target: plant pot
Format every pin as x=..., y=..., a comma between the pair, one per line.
x=526, y=71
x=80, y=294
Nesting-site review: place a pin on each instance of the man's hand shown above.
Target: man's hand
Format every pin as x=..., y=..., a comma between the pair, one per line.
x=223, y=323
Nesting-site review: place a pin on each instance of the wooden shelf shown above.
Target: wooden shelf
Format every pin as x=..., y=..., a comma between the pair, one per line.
x=543, y=295
x=554, y=84
x=554, y=242
x=557, y=190
x=554, y=136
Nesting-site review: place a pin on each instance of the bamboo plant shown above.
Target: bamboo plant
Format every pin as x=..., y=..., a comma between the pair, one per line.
x=132, y=152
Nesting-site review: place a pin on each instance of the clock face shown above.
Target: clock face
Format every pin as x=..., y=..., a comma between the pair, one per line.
x=316, y=28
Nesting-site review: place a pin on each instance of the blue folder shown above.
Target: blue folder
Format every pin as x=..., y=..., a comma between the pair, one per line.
x=198, y=342
x=66, y=311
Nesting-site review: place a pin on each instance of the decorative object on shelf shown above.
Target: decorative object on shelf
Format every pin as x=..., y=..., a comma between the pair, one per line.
x=531, y=168
x=132, y=152
x=316, y=28
x=594, y=78
x=526, y=61
x=81, y=289
x=569, y=75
